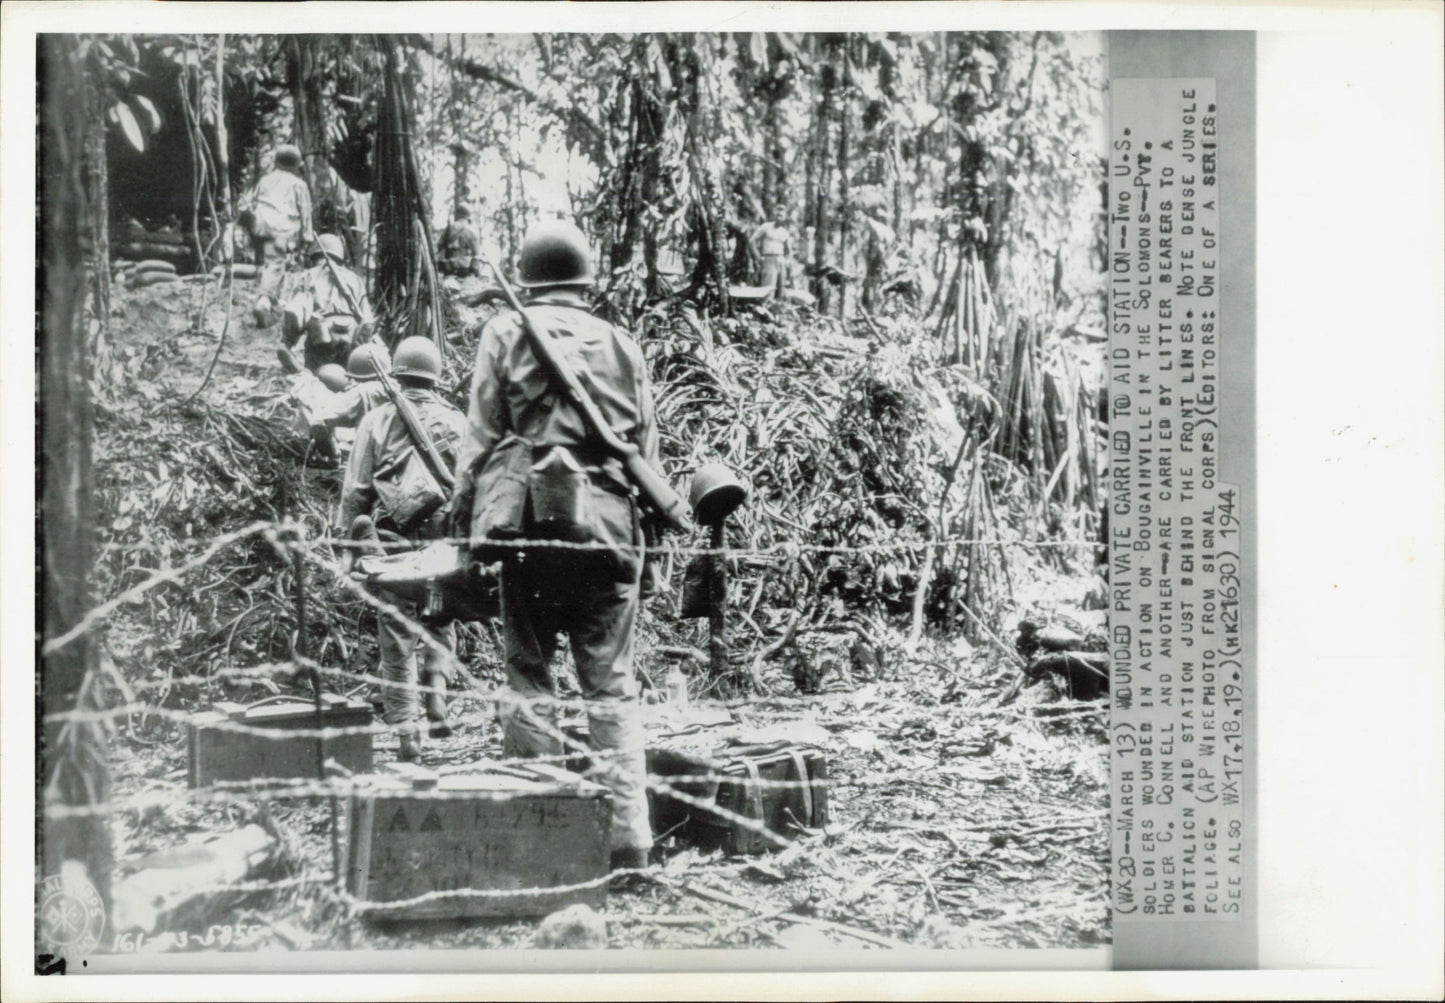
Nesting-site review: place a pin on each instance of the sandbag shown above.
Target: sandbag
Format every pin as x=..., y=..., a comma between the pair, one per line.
x=240, y=271
x=151, y=279
x=155, y=265
x=150, y=251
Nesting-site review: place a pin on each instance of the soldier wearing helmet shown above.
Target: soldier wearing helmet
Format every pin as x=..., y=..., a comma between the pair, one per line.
x=277, y=214
x=518, y=422
x=457, y=248
x=321, y=310
x=362, y=393
x=385, y=464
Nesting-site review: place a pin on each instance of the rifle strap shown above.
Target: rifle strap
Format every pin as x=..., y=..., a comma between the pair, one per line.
x=559, y=383
x=420, y=438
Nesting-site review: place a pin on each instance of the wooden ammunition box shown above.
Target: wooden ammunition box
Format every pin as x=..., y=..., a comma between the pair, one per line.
x=506, y=829
x=221, y=747
x=738, y=782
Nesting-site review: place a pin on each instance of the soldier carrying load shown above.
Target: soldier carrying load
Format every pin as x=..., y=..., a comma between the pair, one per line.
x=331, y=310
x=561, y=441
x=277, y=215
x=399, y=475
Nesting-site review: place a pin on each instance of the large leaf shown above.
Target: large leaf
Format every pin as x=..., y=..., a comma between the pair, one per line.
x=757, y=43
x=145, y=105
x=126, y=118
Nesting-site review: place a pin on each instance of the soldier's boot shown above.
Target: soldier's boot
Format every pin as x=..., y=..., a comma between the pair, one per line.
x=629, y=858
x=436, y=705
x=323, y=448
x=409, y=751
x=615, y=733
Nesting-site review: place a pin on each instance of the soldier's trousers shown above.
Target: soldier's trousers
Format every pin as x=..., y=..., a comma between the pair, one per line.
x=270, y=253
x=579, y=595
x=774, y=273
x=402, y=653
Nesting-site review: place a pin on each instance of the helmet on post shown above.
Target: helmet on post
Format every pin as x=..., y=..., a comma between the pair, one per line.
x=332, y=376
x=715, y=492
x=554, y=254
x=419, y=358
x=287, y=155
x=367, y=361
x=331, y=244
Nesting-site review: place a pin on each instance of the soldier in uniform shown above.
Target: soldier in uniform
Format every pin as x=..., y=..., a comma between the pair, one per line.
x=277, y=215
x=321, y=310
x=772, y=249
x=334, y=418
x=364, y=390
x=386, y=479
x=592, y=595
x=458, y=246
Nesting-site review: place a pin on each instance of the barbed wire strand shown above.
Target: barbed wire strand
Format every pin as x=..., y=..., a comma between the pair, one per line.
x=94, y=616
x=265, y=670
x=241, y=792
x=381, y=786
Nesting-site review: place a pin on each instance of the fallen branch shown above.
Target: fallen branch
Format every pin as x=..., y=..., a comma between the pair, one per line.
x=781, y=642
x=681, y=651
x=170, y=878
x=677, y=919
x=868, y=937
x=924, y=830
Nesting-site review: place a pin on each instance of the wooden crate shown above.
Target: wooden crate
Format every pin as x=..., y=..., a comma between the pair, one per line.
x=731, y=782
x=507, y=828
x=219, y=749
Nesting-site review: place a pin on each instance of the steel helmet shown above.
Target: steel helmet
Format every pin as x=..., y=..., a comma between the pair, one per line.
x=287, y=155
x=715, y=492
x=332, y=245
x=366, y=361
x=555, y=253
x=417, y=357
x=333, y=376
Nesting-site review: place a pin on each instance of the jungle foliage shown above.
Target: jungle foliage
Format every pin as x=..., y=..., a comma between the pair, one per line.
x=941, y=192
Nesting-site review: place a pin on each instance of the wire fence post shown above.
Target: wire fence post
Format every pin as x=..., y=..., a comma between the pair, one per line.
x=296, y=537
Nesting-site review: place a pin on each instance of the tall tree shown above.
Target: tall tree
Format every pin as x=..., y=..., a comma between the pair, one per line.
x=72, y=761
x=308, y=69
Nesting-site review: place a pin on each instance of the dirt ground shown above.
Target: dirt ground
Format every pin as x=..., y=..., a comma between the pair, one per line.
x=966, y=811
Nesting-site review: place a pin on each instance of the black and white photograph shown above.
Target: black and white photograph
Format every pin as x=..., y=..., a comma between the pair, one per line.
x=717, y=494
x=615, y=490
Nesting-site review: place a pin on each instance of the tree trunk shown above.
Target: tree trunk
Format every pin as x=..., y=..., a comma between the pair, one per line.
x=773, y=195
x=72, y=761
x=707, y=194
x=631, y=191
x=309, y=104
x=511, y=204
x=844, y=137
x=98, y=230
x=650, y=131
x=810, y=197
x=822, y=219
x=406, y=297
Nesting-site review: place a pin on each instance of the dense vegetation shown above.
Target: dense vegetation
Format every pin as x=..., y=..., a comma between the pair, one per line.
x=941, y=192
x=919, y=419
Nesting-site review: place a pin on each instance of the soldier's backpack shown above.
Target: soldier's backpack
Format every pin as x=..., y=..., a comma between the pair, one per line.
x=407, y=489
x=408, y=492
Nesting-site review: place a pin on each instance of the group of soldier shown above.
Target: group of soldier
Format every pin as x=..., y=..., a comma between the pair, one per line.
x=518, y=429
